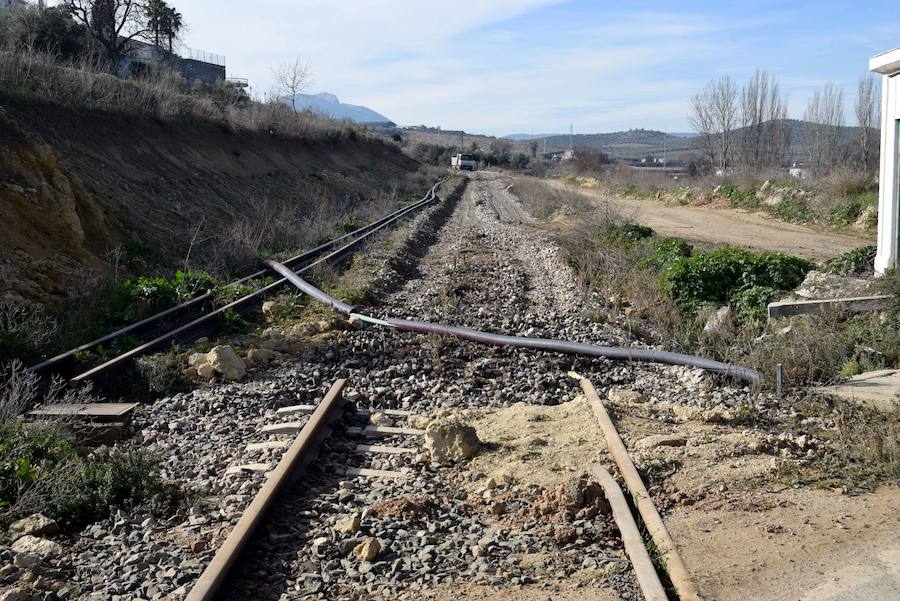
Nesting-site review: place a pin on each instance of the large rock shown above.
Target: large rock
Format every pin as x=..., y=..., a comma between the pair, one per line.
x=33, y=545
x=15, y=594
x=367, y=550
x=349, y=525
x=37, y=524
x=260, y=356
x=271, y=308
x=448, y=440
x=225, y=361
x=419, y=422
x=618, y=394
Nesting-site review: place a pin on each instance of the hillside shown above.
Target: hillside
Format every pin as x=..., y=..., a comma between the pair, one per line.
x=85, y=191
x=329, y=105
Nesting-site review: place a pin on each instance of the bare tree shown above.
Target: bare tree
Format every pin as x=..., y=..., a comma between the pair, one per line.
x=291, y=79
x=764, y=133
x=714, y=117
x=824, y=118
x=867, y=117
x=112, y=23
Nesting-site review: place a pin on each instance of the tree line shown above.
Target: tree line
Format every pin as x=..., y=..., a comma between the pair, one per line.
x=747, y=125
x=102, y=31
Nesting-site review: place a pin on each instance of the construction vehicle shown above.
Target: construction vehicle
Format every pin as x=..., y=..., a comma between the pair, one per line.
x=463, y=162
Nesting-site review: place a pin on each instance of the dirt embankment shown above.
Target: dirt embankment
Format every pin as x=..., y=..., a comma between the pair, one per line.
x=74, y=185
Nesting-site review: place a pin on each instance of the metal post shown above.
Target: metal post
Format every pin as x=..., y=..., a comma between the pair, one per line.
x=779, y=379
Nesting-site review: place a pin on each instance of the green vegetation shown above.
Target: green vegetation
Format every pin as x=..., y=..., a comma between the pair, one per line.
x=38, y=465
x=155, y=294
x=669, y=292
x=41, y=468
x=666, y=252
x=854, y=262
x=848, y=213
x=718, y=276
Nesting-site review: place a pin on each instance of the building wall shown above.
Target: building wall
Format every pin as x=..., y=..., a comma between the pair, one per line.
x=197, y=71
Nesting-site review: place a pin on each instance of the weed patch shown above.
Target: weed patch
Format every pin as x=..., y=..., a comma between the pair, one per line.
x=718, y=275
x=854, y=262
x=40, y=469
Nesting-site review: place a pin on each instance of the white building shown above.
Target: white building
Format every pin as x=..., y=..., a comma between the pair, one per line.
x=888, y=65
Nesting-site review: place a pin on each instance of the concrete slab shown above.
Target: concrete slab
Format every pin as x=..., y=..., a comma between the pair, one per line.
x=879, y=389
x=856, y=304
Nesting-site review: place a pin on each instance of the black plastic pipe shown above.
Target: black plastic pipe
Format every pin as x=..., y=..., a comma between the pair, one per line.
x=544, y=344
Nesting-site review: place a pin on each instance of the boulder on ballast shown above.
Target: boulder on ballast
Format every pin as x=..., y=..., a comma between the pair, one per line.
x=37, y=525
x=33, y=545
x=367, y=550
x=448, y=440
x=225, y=361
x=260, y=356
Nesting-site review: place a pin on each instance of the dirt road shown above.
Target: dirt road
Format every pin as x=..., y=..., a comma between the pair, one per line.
x=715, y=226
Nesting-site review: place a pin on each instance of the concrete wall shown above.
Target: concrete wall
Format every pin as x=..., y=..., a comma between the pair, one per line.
x=193, y=71
x=888, y=65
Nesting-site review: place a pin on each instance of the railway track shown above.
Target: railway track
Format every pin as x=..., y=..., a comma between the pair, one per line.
x=309, y=425
x=291, y=504
x=200, y=316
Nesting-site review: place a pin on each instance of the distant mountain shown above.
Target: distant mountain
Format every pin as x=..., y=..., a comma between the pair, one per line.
x=683, y=134
x=328, y=105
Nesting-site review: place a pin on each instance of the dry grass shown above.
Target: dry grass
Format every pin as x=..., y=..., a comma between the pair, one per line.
x=162, y=94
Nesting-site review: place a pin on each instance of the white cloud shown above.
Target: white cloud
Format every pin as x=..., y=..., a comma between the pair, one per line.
x=496, y=65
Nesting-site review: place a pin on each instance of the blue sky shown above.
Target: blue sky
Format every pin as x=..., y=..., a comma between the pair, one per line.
x=514, y=66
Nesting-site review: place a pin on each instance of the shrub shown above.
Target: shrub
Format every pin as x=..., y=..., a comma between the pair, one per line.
x=847, y=213
x=109, y=479
x=626, y=234
x=666, y=251
x=714, y=276
x=163, y=373
x=750, y=303
x=794, y=209
x=857, y=261
x=813, y=349
x=737, y=197
x=28, y=454
x=162, y=293
x=25, y=330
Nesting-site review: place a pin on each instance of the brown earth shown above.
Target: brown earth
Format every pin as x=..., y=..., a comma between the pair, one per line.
x=713, y=226
x=74, y=184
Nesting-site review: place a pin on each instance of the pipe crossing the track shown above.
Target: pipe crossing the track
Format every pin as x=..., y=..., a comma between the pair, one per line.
x=544, y=344
x=209, y=319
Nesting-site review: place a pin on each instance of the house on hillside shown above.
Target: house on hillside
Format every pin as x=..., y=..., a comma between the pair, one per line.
x=198, y=68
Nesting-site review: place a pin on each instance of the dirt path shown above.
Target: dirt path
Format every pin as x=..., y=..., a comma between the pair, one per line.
x=715, y=226
x=815, y=546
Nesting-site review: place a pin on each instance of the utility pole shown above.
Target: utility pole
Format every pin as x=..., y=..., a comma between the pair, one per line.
x=665, y=139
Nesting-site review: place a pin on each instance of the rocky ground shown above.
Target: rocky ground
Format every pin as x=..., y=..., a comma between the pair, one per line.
x=478, y=261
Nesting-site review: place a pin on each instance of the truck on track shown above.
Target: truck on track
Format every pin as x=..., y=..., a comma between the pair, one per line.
x=463, y=162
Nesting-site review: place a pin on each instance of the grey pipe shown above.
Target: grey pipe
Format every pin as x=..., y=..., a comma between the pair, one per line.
x=544, y=344
x=288, y=274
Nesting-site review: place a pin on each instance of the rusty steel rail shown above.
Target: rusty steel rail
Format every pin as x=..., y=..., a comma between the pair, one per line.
x=199, y=318
x=299, y=455
x=678, y=572
x=645, y=573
